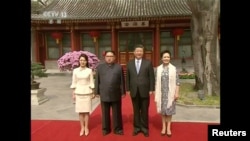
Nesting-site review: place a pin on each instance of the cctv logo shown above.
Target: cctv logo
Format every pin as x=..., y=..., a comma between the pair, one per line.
x=54, y=14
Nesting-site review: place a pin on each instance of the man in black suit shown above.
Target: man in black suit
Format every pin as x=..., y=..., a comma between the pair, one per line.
x=109, y=85
x=140, y=85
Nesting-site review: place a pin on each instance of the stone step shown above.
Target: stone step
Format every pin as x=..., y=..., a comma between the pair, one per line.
x=57, y=72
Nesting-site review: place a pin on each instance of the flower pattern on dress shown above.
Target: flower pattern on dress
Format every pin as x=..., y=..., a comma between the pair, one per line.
x=164, y=91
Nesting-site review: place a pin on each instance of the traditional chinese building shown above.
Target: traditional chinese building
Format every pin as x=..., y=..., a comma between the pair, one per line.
x=99, y=25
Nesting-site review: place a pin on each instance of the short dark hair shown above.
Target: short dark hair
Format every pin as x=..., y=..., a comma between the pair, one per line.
x=165, y=51
x=139, y=46
x=110, y=51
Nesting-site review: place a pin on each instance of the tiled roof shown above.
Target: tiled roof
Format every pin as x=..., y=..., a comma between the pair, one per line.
x=35, y=6
x=116, y=9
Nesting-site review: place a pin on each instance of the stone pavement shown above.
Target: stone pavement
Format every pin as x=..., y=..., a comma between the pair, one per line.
x=60, y=105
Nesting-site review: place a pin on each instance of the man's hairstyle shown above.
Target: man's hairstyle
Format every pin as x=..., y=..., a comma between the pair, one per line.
x=139, y=46
x=109, y=51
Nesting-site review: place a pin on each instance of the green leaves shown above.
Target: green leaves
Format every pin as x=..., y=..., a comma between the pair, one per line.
x=37, y=69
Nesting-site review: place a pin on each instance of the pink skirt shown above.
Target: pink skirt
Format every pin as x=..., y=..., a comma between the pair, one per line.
x=83, y=103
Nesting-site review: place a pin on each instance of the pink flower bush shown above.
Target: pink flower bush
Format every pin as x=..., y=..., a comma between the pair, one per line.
x=69, y=60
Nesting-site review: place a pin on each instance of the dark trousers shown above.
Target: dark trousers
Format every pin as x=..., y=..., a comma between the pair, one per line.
x=116, y=116
x=140, y=108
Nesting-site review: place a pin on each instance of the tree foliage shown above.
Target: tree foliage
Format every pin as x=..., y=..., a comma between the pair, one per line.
x=37, y=69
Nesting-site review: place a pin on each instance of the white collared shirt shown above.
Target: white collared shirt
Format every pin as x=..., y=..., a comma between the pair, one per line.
x=139, y=62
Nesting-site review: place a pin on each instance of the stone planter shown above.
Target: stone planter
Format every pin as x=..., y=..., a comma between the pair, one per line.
x=35, y=85
x=38, y=97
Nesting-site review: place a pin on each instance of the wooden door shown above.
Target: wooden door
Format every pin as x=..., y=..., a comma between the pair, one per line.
x=127, y=41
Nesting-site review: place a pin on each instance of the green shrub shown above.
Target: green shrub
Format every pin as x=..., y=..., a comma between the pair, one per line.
x=37, y=69
x=187, y=76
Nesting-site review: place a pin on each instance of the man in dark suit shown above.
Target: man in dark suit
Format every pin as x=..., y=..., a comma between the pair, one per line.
x=140, y=85
x=109, y=85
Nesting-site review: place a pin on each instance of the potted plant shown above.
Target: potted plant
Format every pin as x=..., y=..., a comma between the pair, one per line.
x=37, y=69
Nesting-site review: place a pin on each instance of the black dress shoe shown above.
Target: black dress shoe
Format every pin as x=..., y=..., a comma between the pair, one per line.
x=146, y=134
x=120, y=132
x=135, y=133
x=104, y=133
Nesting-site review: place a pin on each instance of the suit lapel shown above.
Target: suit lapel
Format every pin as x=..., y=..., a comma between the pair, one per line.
x=142, y=62
x=133, y=66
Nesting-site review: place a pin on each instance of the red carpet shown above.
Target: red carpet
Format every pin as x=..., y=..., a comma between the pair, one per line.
x=58, y=130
